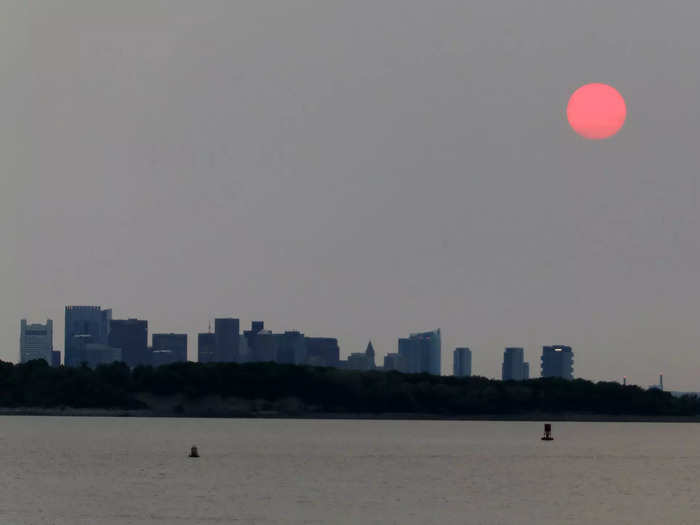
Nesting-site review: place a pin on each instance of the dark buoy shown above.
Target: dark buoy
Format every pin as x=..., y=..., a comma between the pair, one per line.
x=547, y=432
x=195, y=454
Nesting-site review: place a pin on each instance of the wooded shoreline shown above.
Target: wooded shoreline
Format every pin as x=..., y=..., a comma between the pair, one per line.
x=289, y=391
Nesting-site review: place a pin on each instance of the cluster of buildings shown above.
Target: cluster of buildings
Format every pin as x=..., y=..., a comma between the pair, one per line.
x=556, y=361
x=93, y=337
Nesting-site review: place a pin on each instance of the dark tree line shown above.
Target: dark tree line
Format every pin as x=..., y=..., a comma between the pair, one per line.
x=35, y=384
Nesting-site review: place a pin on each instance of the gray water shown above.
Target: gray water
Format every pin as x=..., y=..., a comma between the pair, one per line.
x=135, y=471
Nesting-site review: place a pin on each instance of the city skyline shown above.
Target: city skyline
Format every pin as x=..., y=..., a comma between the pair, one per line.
x=128, y=341
x=364, y=173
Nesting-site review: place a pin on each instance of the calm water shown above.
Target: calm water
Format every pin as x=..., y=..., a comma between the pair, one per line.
x=109, y=471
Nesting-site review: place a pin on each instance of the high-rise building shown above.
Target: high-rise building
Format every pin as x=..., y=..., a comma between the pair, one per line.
x=462, y=362
x=86, y=351
x=36, y=341
x=557, y=361
x=250, y=342
x=291, y=348
x=55, y=358
x=227, y=337
x=393, y=361
x=267, y=346
x=421, y=353
x=163, y=356
x=176, y=343
x=85, y=320
x=206, y=347
x=322, y=351
x=514, y=366
x=362, y=360
x=131, y=336
x=370, y=355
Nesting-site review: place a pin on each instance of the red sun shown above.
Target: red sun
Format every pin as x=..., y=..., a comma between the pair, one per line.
x=596, y=111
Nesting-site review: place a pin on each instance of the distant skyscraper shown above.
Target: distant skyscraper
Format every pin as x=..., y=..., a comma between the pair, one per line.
x=176, y=343
x=92, y=354
x=393, y=361
x=163, y=356
x=362, y=360
x=462, y=362
x=206, y=347
x=266, y=346
x=227, y=332
x=36, y=341
x=369, y=352
x=322, y=351
x=514, y=366
x=85, y=320
x=55, y=358
x=131, y=336
x=421, y=352
x=250, y=340
x=557, y=361
x=291, y=348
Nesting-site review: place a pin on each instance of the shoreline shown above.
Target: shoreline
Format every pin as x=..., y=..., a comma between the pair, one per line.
x=532, y=417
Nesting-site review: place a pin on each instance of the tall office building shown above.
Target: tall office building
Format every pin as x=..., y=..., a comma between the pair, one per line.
x=131, y=335
x=370, y=354
x=392, y=361
x=462, y=362
x=362, y=360
x=36, y=341
x=227, y=337
x=84, y=320
x=175, y=343
x=291, y=348
x=250, y=340
x=322, y=351
x=514, y=366
x=557, y=361
x=86, y=351
x=421, y=352
x=206, y=347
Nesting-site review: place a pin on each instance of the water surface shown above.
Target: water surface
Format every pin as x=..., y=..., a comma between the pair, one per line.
x=62, y=470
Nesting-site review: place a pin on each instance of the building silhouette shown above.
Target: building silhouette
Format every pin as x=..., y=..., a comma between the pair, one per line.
x=87, y=351
x=291, y=348
x=227, y=337
x=421, y=353
x=36, y=341
x=362, y=360
x=514, y=366
x=462, y=362
x=266, y=345
x=84, y=320
x=393, y=361
x=176, y=344
x=206, y=347
x=557, y=361
x=322, y=351
x=251, y=345
x=131, y=336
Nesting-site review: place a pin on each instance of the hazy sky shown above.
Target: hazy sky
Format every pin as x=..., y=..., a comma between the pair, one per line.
x=359, y=170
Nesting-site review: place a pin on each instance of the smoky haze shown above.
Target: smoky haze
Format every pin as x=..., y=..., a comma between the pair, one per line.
x=359, y=170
